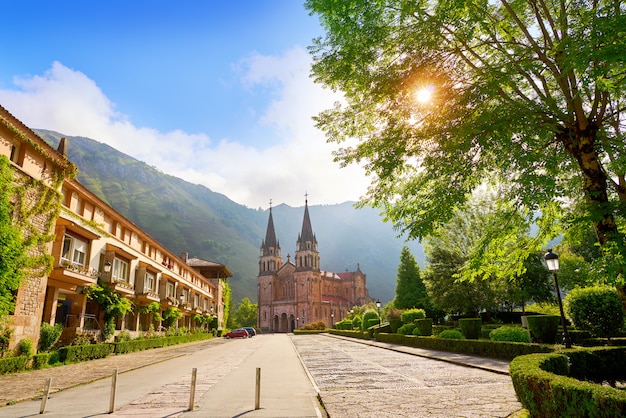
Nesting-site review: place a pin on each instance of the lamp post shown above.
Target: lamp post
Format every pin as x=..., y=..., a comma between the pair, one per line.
x=378, y=309
x=552, y=261
x=332, y=320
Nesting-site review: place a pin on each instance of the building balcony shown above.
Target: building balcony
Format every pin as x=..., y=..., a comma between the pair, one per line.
x=125, y=288
x=148, y=297
x=170, y=302
x=69, y=275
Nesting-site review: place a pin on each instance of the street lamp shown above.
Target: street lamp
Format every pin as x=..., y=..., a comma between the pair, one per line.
x=332, y=319
x=552, y=261
x=378, y=309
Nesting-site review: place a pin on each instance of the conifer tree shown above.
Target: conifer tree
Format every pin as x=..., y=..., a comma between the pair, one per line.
x=410, y=289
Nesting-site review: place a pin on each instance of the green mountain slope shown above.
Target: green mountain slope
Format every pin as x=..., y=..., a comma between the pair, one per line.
x=191, y=218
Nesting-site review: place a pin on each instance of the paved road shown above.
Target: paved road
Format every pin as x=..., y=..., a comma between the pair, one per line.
x=358, y=380
x=352, y=378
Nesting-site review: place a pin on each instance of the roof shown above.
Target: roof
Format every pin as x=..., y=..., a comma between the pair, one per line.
x=201, y=265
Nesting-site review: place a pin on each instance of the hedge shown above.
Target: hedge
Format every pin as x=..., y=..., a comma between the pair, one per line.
x=77, y=353
x=548, y=385
x=353, y=334
x=544, y=328
x=13, y=364
x=483, y=348
x=470, y=327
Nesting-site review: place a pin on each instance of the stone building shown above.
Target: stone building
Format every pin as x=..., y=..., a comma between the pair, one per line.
x=296, y=293
x=88, y=241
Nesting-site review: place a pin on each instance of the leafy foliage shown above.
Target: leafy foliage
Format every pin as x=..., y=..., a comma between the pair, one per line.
x=528, y=97
x=410, y=315
x=112, y=304
x=246, y=314
x=48, y=336
x=451, y=334
x=170, y=316
x=367, y=316
x=596, y=309
x=508, y=333
x=12, y=249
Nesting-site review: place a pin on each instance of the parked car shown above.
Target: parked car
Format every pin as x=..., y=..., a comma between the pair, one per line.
x=250, y=330
x=237, y=333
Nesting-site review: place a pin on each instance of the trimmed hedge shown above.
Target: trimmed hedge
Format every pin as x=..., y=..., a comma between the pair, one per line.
x=510, y=333
x=140, y=345
x=424, y=327
x=544, y=328
x=353, y=334
x=13, y=364
x=549, y=385
x=78, y=353
x=483, y=348
x=471, y=327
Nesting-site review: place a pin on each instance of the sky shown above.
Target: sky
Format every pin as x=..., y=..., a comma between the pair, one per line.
x=217, y=93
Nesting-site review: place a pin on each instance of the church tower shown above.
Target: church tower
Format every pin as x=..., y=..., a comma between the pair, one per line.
x=307, y=257
x=270, y=259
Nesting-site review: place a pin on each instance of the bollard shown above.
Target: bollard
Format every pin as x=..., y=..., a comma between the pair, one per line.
x=192, y=393
x=257, y=397
x=113, y=388
x=46, y=392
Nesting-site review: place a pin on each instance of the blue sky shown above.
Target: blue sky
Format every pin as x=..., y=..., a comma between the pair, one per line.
x=217, y=93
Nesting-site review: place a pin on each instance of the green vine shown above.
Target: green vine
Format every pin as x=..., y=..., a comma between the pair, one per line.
x=112, y=305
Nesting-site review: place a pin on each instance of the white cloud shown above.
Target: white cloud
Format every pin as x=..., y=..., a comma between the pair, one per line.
x=67, y=101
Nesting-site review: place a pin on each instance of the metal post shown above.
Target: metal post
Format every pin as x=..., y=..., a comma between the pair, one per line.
x=113, y=389
x=257, y=397
x=192, y=393
x=46, y=392
x=566, y=339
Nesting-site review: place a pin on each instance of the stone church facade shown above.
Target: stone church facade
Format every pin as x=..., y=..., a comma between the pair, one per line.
x=298, y=292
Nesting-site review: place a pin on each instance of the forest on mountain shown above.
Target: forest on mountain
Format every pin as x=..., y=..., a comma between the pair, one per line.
x=191, y=218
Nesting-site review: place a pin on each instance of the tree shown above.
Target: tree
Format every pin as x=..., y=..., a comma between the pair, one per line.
x=410, y=289
x=526, y=94
x=246, y=314
x=12, y=249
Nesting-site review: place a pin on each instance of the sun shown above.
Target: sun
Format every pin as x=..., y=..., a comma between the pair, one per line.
x=424, y=94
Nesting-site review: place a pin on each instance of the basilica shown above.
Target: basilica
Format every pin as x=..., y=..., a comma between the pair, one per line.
x=298, y=292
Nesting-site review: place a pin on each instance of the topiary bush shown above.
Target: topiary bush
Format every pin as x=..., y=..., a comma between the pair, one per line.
x=356, y=322
x=407, y=329
x=48, y=336
x=452, y=334
x=470, y=327
x=544, y=328
x=512, y=334
x=424, y=327
x=25, y=347
x=595, y=309
x=410, y=315
x=370, y=314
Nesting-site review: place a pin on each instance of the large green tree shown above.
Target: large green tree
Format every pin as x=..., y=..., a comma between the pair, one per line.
x=246, y=314
x=529, y=94
x=410, y=289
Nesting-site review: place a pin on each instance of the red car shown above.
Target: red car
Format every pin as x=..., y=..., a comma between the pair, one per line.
x=237, y=333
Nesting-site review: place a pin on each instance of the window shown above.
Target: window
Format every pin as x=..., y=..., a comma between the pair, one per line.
x=74, y=250
x=169, y=289
x=120, y=270
x=196, y=301
x=15, y=153
x=148, y=282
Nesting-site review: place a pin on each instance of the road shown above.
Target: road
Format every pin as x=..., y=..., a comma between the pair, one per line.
x=357, y=380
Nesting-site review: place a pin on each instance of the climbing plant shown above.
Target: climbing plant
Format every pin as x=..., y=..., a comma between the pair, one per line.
x=112, y=304
x=13, y=251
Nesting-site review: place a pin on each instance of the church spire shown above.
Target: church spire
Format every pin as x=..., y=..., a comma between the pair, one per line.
x=307, y=257
x=270, y=260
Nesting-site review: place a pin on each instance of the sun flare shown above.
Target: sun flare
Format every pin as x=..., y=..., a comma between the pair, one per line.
x=424, y=94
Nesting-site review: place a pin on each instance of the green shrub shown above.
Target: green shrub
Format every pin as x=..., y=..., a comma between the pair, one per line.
x=543, y=328
x=41, y=360
x=48, y=336
x=123, y=336
x=424, y=326
x=595, y=309
x=410, y=315
x=370, y=314
x=25, y=347
x=557, y=384
x=451, y=334
x=470, y=327
x=356, y=322
x=407, y=329
x=395, y=323
x=78, y=353
x=508, y=333
x=13, y=364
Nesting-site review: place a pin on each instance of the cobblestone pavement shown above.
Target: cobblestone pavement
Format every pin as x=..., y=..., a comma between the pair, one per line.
x=357, y=380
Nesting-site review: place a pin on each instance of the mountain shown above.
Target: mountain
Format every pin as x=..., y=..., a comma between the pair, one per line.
x=191, y=218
